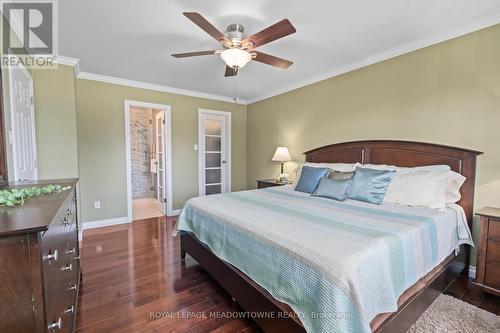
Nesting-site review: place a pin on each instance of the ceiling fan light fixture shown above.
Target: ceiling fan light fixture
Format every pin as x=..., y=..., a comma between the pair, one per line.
x=236, y=57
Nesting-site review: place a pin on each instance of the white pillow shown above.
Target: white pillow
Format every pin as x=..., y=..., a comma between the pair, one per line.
x=340, y=167
x=455, y=182
x=420, y=186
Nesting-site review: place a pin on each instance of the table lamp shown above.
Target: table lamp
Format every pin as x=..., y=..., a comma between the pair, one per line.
x=282, y=155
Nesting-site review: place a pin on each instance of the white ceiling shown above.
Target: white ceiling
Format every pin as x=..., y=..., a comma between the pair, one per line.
x=134, y=39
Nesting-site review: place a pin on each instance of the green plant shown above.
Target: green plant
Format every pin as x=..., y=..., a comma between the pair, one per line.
x=17, y=196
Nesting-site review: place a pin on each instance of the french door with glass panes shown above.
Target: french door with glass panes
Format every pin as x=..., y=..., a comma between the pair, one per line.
x=160, y=195
x=214, y=152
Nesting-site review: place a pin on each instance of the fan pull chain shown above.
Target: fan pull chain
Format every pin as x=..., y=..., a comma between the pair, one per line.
x=235, y=90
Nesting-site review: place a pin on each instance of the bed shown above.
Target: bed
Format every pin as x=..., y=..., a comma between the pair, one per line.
x=297, y=263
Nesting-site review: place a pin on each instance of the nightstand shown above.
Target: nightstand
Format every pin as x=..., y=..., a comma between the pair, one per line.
x=263, y=183
x=488, y=251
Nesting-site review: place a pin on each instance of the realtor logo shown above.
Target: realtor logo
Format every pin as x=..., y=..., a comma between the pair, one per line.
x=29, y=27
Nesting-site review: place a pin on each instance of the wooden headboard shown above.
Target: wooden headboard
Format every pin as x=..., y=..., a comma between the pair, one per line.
x=405, y=154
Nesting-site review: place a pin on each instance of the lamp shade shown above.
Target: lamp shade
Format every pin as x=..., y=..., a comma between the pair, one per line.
x=281, y=155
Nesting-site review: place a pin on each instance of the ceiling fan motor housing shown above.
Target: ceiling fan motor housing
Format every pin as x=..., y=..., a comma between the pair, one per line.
x=236, y=33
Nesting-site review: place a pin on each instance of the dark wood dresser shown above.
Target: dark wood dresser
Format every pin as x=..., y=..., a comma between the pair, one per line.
x=488, y=251
x=39, y=262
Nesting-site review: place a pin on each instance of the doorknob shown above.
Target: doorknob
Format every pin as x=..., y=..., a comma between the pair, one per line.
x=224, y=162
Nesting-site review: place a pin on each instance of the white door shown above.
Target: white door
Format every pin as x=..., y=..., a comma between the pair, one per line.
x=23, y=136
x=214, y=152
x=160, y=157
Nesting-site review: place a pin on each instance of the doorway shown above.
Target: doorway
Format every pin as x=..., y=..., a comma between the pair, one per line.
x=214, y=151
x=149, y=163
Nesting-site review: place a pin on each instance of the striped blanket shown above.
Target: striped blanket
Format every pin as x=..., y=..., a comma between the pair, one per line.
x=337, y=264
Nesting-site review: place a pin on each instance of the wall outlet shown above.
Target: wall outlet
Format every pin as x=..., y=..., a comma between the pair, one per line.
x=97, y=205
x=195, y=147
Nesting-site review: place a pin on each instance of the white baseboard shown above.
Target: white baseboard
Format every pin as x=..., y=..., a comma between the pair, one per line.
x=116, y=221
x=174, y=212
x=105, y=223
x=457, y=267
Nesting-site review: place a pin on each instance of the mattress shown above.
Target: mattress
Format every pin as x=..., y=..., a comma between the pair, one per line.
x=336, y=264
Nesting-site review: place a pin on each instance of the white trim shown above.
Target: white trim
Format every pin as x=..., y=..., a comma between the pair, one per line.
x=155, y=87
x=105, y=223
x=388, y=54
x=68, y=61
x=168, y=145
x=457, y=267
x=201, y=150
x=174, y=212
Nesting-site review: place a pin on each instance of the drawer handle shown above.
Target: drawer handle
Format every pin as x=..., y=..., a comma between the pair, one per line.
x=56, y=324
x=71, y=251
x=65, y=221
x=68, y=267
x=71, y=309
x=51, y=256
x=77, y=258
x=69, y=212
x=72, y=287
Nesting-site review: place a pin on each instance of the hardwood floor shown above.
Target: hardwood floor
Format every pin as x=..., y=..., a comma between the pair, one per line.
x=133, y=281
x=463, y=289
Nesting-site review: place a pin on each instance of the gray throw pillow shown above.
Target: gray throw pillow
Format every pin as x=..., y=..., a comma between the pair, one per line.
x=332, y=188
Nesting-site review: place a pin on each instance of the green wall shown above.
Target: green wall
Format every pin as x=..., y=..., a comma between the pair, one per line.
x=55, y=117
x=101, y=144
x=448, y=93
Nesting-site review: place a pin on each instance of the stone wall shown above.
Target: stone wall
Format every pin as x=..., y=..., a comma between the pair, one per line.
x=141, y=138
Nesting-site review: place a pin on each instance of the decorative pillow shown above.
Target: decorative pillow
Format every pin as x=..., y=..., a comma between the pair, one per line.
x=420, y=186
x=370, y=185
x=338, y=175
x=332, y=188
x=340, y=167
x=309, y=178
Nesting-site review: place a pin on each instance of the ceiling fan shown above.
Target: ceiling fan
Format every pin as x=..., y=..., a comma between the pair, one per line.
x=238, y=49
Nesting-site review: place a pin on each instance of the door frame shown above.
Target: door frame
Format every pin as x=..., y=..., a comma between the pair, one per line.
x=201, y=149
x=168, y=155
x=11, y=134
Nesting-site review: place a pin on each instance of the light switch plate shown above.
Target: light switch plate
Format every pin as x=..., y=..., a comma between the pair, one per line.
x=195, y=147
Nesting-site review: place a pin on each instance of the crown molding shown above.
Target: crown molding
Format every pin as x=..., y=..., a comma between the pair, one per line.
x=388, y=54
x=62, y=60
x=155, y=87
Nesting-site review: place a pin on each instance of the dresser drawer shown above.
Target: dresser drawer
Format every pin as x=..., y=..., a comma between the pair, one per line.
x=53, y=256
x=59, y=269
x=60, y=313
x=494, y=229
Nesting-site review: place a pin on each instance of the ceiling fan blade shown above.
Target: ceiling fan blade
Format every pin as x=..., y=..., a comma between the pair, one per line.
x=281, y=29
x=205, y=25
x=231, y=71
x=193, y=54
x=272, y=60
